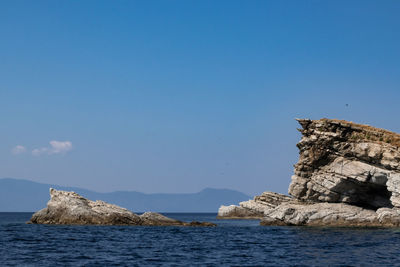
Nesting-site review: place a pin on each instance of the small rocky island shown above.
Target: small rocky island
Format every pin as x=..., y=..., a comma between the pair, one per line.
x=348, y=174
x=71, y=208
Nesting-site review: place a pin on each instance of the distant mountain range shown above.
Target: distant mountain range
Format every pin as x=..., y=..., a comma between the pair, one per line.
x=23, y=195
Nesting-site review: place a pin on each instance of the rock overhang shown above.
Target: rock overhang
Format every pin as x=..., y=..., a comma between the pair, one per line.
x=347, y=174
x=346, y=162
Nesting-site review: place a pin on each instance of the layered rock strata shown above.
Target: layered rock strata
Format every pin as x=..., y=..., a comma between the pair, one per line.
x=71, y=208
x=254, y=208
x=330, y=214
x=347, y=175
x=347, y=162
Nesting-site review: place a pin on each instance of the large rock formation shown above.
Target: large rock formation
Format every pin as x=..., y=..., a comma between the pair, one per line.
x=71, y=208
x=347, y=162
x=347, y=175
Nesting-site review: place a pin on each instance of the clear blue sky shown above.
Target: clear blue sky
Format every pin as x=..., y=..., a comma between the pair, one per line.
x=176, y=96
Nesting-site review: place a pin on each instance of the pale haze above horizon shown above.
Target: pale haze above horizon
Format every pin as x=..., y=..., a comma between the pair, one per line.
x=178, y=96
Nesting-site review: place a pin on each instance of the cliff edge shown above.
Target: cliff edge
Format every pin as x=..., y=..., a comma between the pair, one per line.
x=348, y=174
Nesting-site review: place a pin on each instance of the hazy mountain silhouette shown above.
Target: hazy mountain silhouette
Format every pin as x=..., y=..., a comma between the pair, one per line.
x=24, y=195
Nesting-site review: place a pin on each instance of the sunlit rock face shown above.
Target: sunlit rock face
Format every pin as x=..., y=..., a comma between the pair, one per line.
x=254, y=208
x=347, y=162
x=70, y=208
x=348, y=174
x=331, y=214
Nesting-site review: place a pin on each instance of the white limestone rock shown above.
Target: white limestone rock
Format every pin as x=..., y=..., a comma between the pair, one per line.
x=349, y=163
x=321, y=214
x=252, y=209
x=237, y=212
x=347, y=175
x=70, y=208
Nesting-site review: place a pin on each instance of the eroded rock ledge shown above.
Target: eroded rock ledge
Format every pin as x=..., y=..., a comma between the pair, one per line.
x=71, y=208
x=254, y=208
x=347, y=175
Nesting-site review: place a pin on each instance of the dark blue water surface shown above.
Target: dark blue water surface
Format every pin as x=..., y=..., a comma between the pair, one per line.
x=232, y=243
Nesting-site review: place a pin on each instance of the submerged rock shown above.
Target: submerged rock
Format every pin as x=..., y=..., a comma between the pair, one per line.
x=71, y=208
x=347, y=175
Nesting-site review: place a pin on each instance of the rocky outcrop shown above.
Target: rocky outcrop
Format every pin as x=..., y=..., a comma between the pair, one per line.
x=71, y=208
x=347, y=162
x=238, y=212
x=330, y=214
x=253, y=209
x=347, y=175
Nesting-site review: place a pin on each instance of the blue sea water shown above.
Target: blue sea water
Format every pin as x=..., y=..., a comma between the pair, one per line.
x=231, y=243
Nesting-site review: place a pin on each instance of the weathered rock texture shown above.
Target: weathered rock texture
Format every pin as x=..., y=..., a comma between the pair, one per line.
x=349, y=163
x=71, y=208
x=253, y=209
x=347, y=175
x=330, y=214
